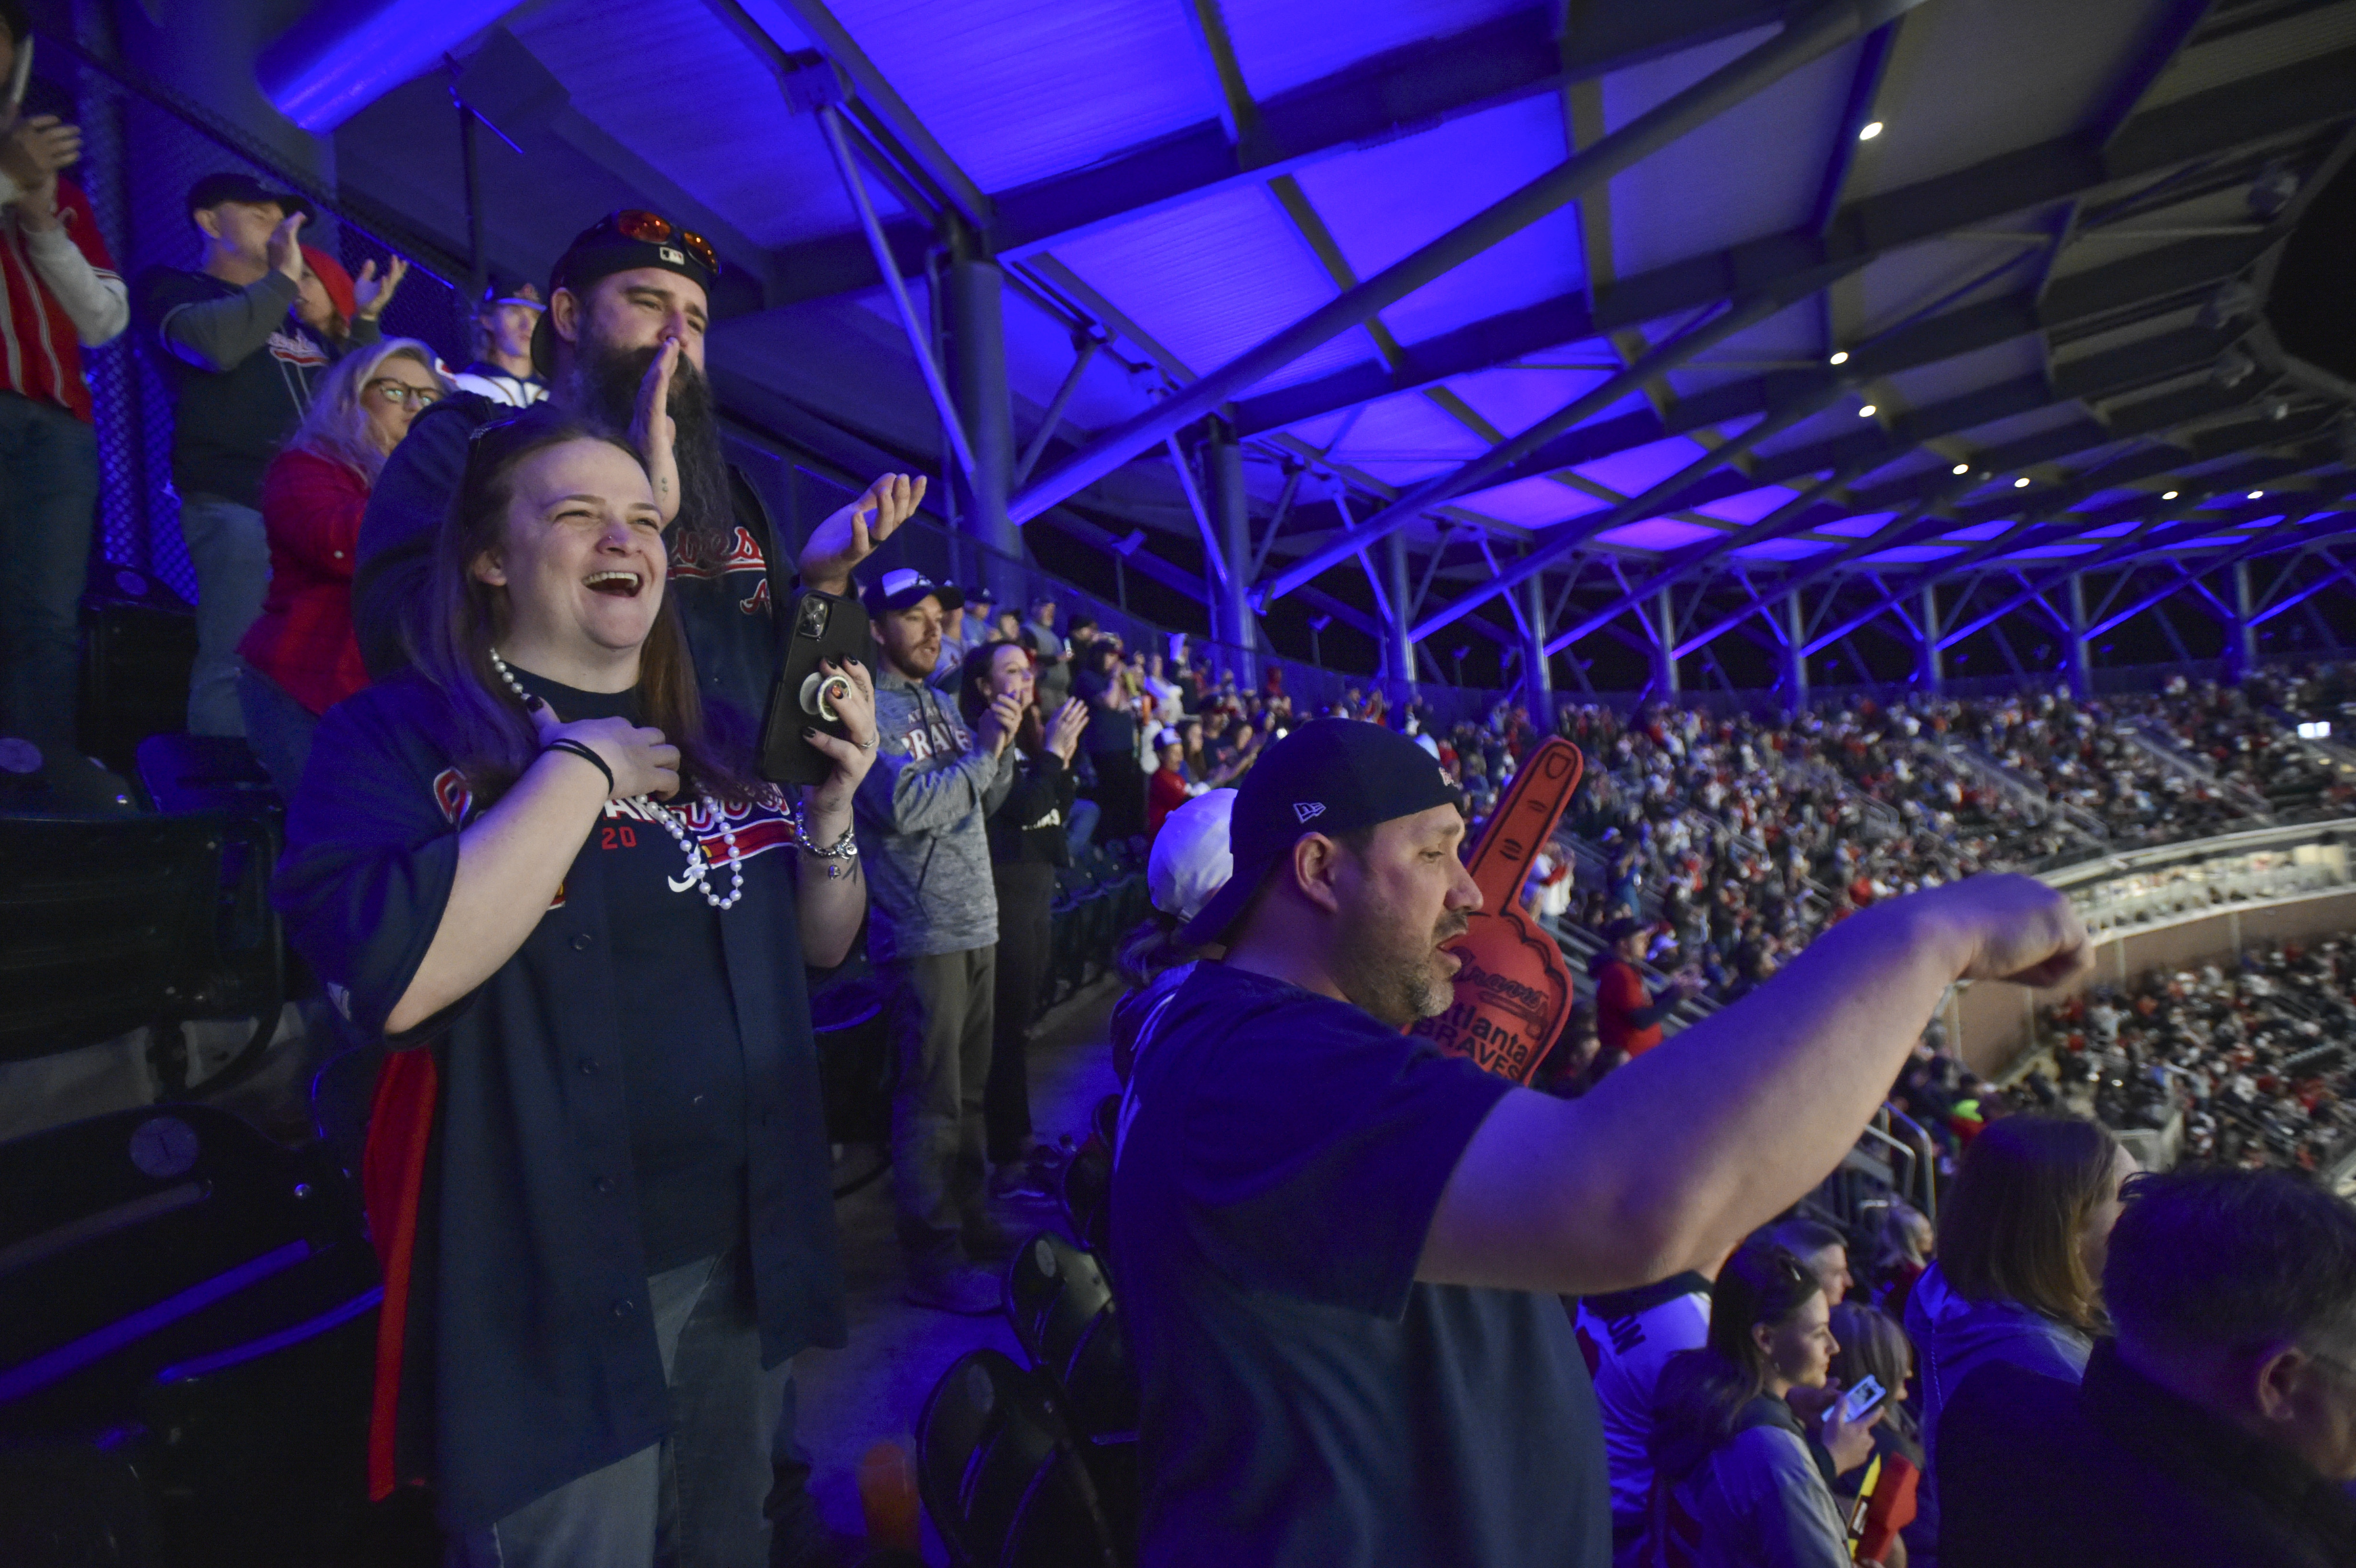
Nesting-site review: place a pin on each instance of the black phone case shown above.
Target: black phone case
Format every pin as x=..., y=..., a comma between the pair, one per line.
x=825, y=627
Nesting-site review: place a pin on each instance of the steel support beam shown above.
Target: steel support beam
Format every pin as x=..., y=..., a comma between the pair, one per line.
x=977, y=354
x=2080, y=649
x=1537, y=672
x=1795, y=651
x=1803, y=40
x=877, y=95
x=1931, y=662
x=829, y=121
x=1087, y=351
x=1399, y=648
x=1231, y=510
x=1662, y=624
x=2242, y=633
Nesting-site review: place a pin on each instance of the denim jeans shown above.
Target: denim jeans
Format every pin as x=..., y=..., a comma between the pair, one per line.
x=277, y=727
x=231, y=552
x=697, y=1498
x=938, y=1020
x=48, y=497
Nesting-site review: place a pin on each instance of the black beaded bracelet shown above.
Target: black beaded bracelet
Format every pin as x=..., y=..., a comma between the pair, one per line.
x=581, y=749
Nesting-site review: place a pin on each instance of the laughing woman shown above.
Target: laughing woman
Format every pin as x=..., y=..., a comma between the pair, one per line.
x=549, y=880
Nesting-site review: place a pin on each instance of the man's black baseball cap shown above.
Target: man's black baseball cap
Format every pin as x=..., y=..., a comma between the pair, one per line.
x=623, y=241
x=213, y=189
x=904, y=586
x=1331, y=776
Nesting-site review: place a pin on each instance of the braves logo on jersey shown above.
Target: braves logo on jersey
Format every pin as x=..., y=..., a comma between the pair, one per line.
x=760, y=826
x=691, y=558
x=296, y=348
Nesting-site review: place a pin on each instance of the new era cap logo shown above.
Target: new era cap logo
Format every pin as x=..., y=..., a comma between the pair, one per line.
x=1306, y=809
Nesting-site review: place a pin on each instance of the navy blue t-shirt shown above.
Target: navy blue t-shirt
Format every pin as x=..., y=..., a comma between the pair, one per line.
x=680, y=1053
x=1305, y=1400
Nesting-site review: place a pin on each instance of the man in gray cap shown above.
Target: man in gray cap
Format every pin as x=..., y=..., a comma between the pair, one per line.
x=1340, y=1251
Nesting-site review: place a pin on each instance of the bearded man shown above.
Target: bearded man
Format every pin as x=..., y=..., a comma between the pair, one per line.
x=1341, y=1253
x=622, y=341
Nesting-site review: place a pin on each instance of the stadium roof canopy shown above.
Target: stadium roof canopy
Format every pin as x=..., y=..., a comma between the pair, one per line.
x=1611, y=296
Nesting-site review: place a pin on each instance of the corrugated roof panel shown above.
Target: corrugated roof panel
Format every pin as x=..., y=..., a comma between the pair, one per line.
x=1752, y=171
x=1967, y=82
x=1640, y=468
x=741, y=153
x=1782, y=549
x=1864, y=525
x=1212, y=278
x=1657, y=533
x=1533, y=503
x=2047, y=551
x=1977, y=531
x=1283, y=46
x=1019, y=90
x=1383, y=201
x=1946, y=378
x=1514, y=400
x=1905, y=553
x=1748, y=506
x=2246, y=54
x=2111, y=531
x=1408, y=427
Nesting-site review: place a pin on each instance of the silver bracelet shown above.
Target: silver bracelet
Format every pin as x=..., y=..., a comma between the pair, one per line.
x=843, y=849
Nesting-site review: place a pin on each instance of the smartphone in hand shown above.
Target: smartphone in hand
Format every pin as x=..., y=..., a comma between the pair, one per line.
x=1861, y=1401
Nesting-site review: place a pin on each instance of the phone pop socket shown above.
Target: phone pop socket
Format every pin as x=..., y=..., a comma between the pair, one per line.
x=819, y=692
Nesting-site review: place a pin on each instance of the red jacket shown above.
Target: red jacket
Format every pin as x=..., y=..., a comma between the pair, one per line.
x=40, y=354
x=312, y=507
x=1165, y=791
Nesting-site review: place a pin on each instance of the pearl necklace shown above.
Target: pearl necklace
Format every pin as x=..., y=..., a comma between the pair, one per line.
x=698, y=869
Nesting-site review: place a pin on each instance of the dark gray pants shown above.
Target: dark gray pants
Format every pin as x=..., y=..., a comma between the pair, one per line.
x=939, y=1022
x=697, y=1498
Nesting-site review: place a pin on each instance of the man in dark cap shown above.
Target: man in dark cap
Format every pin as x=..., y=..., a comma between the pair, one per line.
x=239, y=363
x=1628, y=1015
x=1340, y=1251
x=505, y=319
x=620, y=342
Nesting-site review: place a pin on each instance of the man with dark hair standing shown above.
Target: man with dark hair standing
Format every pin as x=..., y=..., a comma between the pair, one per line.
x=502, y=370
x=240, y=364
x=923, y=813
x=1628, y=1015
x=59, y=294
x=2218, y=1427
x=1340, y=1251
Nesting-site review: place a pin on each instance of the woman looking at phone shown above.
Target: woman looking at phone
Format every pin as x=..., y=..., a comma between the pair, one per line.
x=1735, y=1482
x=545, y=875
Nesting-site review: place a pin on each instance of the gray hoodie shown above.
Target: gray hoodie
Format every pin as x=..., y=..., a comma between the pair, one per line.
x=1757, y=1502
x=1956, y=1337
x=920, y=814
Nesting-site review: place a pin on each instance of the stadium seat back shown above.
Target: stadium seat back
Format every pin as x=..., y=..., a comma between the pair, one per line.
x=105, y=925
x=1087, y=1196
x=1001, y=1475
x=1064, y=1314
x=205, y=773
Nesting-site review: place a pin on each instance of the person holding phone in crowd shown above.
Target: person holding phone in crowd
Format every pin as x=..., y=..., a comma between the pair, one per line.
x=539, y=866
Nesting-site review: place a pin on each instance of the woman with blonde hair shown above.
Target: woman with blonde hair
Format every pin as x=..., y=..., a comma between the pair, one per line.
x=300, y=657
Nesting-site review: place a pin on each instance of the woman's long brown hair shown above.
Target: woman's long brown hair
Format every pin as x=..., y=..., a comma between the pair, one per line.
x=2009, y=1230
x=484, y=728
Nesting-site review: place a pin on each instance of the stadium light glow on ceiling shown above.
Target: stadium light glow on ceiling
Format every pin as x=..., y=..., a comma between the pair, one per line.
x=1865, y=411
x=2020, y=483
x=2171, y=495
x=1868, y=131
x=1841, y=357
x=1961, y=468
x=2257, y=495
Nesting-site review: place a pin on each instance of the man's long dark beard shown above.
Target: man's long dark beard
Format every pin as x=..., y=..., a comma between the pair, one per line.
x=605, y=382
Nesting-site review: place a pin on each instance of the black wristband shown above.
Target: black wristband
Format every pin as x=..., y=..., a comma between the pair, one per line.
x=582, y=750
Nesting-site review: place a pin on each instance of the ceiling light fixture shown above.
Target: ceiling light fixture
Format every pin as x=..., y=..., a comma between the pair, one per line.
x=1868, y=131
x=1865, y=411
x=2020, y=483
x=1961, y=468
x=2171, y=495
x=2257, y=495
x=1841, y=357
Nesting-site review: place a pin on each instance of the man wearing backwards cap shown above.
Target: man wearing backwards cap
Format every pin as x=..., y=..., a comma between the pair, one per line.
x=238, y=362
x=933, y=930
x=1340, y=1252
x=621, y=343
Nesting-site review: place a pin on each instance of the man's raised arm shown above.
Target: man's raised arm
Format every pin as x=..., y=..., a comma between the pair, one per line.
x=1675, y=1157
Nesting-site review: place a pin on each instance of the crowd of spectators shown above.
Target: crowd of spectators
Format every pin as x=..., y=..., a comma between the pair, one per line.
x=2247, y=1068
